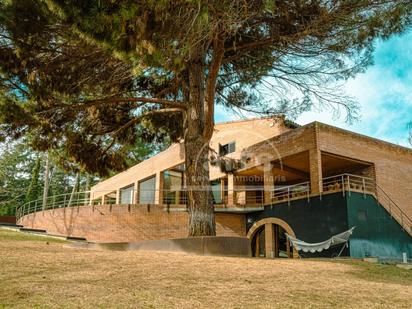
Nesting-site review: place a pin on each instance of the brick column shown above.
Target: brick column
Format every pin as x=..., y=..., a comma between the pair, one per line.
x=136, y=193
x=159, y=188
x=118, y=196
x=269, y=241
x=230, y=189
x=222, y=190
x=315, y=162
x=268, y=182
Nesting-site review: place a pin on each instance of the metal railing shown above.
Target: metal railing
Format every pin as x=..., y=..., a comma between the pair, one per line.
x=347, y=183
x=240, y=197
x=292, y=192
x=394, y=210
x=54, y=202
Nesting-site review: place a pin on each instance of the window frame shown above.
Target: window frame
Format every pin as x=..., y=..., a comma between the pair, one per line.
x=139, y=183
x=132, y=194
x=228, y=148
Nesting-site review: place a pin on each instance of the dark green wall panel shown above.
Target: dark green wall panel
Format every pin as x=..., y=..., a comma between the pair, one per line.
x=376, y=233
x=313, y=221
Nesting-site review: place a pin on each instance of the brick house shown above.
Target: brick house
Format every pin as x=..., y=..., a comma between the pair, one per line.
x=267, y=178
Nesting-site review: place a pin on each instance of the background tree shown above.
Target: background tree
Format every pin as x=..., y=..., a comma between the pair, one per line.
x=34, y=187
x=22, y=174
x=21, y=177
x=17, y=165
x=83, y=76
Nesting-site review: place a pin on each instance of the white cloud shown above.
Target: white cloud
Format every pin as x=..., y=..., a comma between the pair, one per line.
x=384, y=94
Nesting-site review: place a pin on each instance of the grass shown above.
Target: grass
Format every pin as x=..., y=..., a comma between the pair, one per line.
x=10, y=235
x=383, y=273
x=36, y=272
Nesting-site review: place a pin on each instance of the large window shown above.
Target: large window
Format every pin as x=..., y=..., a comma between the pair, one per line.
x=126, y=195
x=173, y=185
x=147, y=190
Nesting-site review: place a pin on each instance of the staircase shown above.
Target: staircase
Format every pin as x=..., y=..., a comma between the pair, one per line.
x=347, y=183
x=394, y=210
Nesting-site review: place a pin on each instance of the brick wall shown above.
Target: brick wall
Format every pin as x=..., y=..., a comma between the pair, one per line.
x=105, y=223
x=392, y=164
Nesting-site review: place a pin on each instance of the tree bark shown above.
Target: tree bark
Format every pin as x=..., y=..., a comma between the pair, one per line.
x=86, y=189
x=200, y=202
x=46, y=181
x=76, y=179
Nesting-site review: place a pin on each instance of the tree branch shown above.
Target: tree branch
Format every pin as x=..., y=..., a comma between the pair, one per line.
x=218, y=53
x=136, y=120
x=114, y=100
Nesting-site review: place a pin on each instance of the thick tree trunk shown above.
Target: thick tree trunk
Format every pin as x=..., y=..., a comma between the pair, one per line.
x=200, y=202
x=201, y=210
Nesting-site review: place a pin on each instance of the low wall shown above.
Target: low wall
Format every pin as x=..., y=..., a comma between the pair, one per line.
x=218, y=245
x=8, y=219
x=125, y=223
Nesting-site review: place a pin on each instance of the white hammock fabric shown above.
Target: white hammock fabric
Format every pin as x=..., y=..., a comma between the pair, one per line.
x=320, y=246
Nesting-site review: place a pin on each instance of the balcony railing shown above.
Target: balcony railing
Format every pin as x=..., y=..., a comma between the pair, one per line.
x=292, y=192
x=347, y=182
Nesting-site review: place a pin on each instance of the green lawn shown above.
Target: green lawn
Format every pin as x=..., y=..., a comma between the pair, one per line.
x=10, y=235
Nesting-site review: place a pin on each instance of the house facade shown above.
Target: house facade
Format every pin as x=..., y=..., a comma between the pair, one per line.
x=268, y=179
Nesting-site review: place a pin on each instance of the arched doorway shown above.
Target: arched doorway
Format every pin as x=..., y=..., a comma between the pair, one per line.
x=268, y=239
x=258, y=243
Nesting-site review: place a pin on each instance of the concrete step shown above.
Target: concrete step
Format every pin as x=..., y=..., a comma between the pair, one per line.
x=75, y=238
x=30, y=230
x=10, y=225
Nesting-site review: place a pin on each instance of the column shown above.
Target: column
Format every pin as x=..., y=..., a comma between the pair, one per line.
x=118, y=197
x=136, y=193
x=269, y=241
x=230, y=189
x=159, y=188
x=222, y=191
x=315, y=163
x=268, y=182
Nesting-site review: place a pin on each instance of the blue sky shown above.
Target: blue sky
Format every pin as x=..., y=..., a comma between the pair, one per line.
x=384, y=94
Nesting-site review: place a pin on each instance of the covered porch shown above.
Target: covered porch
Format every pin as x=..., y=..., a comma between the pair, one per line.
x=298, y=176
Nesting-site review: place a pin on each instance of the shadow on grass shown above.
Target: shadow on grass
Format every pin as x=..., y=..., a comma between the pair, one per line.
x=8, y=235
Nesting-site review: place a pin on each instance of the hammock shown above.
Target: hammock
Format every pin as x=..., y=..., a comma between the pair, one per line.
x=320, y=246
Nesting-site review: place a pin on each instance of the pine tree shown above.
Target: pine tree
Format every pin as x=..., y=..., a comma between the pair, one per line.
x=92, y=77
